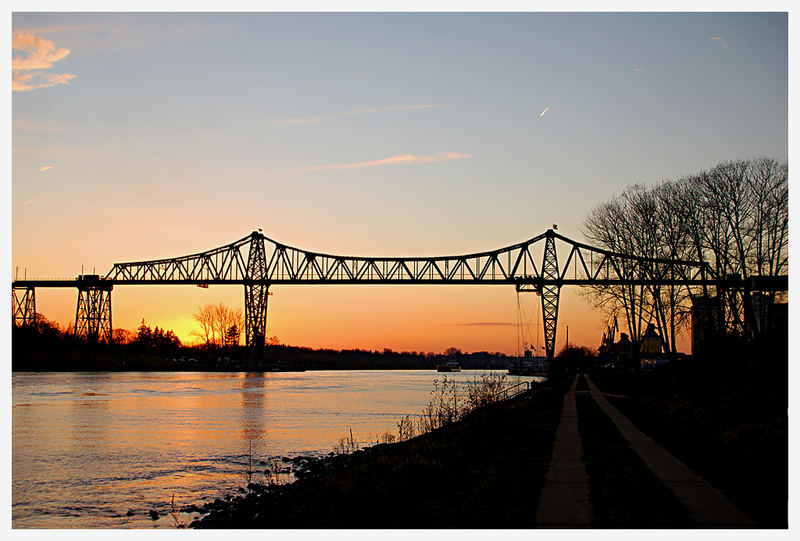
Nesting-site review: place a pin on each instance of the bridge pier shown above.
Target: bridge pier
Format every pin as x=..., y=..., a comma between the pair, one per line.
x=256, y=292
x=255, y=316
x=550, y=294
x=93, y=313
x=24, y=306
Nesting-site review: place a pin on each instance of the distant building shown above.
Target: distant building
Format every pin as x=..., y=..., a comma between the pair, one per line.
x=651, y=342
x=651, y=349
x=615, y=354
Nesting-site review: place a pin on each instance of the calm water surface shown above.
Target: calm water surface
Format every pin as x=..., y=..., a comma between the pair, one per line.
x=90, y=447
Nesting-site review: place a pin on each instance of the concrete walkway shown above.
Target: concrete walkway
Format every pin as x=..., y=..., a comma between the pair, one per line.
x=707, y=507
x=564, y=502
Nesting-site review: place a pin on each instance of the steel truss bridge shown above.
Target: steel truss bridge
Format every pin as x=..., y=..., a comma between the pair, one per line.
x=543, y=264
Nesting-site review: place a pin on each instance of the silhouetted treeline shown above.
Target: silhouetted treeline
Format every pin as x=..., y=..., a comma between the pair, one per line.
x=159, y=340
x=330, y=359
x=572, y=357
x=45, y=346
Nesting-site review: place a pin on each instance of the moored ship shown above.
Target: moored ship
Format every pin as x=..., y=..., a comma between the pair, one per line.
x=450, y=366
x=528, y=365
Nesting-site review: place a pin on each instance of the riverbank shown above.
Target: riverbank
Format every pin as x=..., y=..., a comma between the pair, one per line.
x=489, y=469
x=484, y=471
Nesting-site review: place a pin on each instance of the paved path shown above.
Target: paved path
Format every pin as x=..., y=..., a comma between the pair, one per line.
x=707, y=506
x=564, y=501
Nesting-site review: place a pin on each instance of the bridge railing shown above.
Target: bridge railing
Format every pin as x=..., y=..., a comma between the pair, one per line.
x=43, y=279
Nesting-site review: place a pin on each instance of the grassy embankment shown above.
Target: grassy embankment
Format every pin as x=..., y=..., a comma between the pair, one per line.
x=484, y=471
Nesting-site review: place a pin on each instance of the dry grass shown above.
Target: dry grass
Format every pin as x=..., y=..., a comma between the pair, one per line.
x=450, y=402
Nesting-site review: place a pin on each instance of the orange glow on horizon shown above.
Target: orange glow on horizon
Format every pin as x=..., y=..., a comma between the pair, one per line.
x=401, y=318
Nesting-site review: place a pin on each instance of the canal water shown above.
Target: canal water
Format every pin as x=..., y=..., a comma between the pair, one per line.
x=102, y=449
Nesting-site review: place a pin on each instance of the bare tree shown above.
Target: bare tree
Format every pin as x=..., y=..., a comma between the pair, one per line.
x=746, y=228
x=769, y=183
x=671, y=304
x=734, y=217
x=215, y=321
x=205, y=317
x=123, y=336
x=616, y=226
x=224, y=319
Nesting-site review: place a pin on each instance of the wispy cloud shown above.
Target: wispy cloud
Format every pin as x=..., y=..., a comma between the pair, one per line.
x=28, y=202
x=393, y=160
x=32, y=55
x=41, y=53
x=46, y=168
x=354, y=112
x=22, y=82
x=718, y=39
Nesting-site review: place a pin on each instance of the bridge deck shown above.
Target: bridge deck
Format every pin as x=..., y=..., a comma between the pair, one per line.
x=760, y=283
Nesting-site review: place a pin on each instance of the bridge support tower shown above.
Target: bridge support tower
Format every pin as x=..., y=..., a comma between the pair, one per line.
x=256, y=292
x=23, y=306
x=550, y=294
x=93, y=314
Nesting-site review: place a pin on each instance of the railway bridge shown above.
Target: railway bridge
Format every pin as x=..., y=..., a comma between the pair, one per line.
x=542, y=264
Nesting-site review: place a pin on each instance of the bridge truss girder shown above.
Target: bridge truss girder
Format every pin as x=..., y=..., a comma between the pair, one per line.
x=258, y=262
x=518, y=263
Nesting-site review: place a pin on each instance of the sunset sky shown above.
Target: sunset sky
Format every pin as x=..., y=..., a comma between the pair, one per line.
x=142, y=136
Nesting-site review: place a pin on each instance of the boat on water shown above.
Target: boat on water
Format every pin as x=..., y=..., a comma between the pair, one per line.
x=450, y=366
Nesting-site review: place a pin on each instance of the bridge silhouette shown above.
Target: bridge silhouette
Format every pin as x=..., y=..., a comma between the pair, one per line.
x=542, y=264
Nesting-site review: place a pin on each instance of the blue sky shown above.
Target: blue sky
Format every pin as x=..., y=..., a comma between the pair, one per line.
x=371, y=134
